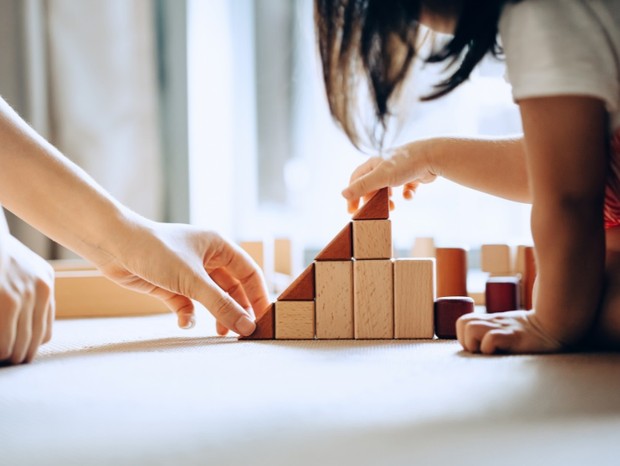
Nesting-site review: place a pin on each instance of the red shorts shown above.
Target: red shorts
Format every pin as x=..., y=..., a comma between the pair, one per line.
x=612, y=189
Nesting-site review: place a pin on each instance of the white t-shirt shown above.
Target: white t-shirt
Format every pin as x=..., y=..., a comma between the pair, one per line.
x=564, y=47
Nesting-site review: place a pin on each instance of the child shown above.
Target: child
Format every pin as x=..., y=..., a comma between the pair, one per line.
x=563, y=59
x=175, y=263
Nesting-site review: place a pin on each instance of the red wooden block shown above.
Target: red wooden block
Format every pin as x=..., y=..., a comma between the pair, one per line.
x=302, y=289
x=340, y=248
x=451, y=269
x=529, y=277
x=447, y=311
x=265, y=326
x=502, y=294
x=377, y=207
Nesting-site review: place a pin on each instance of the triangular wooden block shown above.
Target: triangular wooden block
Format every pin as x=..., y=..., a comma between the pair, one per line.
x=377, y=207
x=302, y=289
x=265, y=326
x=340, y=248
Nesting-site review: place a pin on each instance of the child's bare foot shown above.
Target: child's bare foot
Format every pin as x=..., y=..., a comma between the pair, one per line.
x=505, y=332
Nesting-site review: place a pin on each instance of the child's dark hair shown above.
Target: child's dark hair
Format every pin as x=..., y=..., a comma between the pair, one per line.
x=378, y=39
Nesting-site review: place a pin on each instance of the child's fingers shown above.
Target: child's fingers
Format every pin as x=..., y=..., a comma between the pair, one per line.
x=353, y=205
x=409, y=190
x=498, y=341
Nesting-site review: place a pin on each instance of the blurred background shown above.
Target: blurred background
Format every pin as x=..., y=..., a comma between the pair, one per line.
x=213, y=112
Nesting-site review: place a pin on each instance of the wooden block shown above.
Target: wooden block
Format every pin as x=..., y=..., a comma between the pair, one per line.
x=377, y=207
x=529, y=277
x=302, y=289
x=340, y=248
x=502, y=294
x=88, y=293
x=414, y=296
x=373, y=299
x=451, y=269
x=495, y=259
x=256, y=250
x=447, y=312
x=265, y=326
x=294, y=320
x=62, y=265
x=283, y=256
x=423, y=247
x=372, y=239
x=520, y=260
x=334, y=299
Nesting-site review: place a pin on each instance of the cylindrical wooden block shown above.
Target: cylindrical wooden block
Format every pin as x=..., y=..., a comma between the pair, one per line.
x=502, y=294
x=451, y=266
x=529, y=277
x=447, y=311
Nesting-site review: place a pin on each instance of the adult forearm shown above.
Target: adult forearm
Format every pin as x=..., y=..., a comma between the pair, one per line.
x=45, y=189
x=494, y=166
x=570, y=246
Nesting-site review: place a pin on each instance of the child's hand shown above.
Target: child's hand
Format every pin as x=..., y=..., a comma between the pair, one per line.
x=26, y=301
x=178, y=263
x=504, y=332
x=407, y=166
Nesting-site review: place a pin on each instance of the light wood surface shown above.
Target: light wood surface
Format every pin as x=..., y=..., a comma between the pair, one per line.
x=373, y=301
x=295, y=320
x=495, y=259
x=334, y=299
x=372, y=239
x=414, y=297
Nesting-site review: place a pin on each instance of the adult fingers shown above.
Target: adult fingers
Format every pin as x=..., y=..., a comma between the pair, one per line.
x=24, y=328
x=39, y=318
x=50, y=316
x=181, y=305
x=223, y=307
x=231, y=286
x=240, y=266
x=220, y=329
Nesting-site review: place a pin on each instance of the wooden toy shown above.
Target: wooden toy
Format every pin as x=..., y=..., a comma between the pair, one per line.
x=334, y=299
x=88, y=293
x=447, y=311
x=373, y=293
x=414, y=294
x=340, y=248
x=423, y=247
x=372, y=239
x=502, y=294
x=451, y=267
x=283, y=256
x=495, y=259
x=529, y=277
x=302, y=289
x=265, y=326
x=376, y=208
x=294, y=320
x=256, y=250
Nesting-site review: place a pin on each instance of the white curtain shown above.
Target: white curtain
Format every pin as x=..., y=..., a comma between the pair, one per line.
x=99, y=103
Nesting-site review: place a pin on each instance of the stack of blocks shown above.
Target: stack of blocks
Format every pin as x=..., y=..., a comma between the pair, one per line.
x=355, y=289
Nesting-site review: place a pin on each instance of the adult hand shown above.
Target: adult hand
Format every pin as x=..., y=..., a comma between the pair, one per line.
x=408, y=166
x=180, y=263
x=26, y=301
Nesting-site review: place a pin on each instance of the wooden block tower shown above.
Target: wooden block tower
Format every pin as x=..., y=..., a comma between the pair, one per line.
x=354, y=289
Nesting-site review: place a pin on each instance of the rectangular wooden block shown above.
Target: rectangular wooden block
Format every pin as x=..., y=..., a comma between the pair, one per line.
x=372, y=239
x=283, y=256
x=294, y=320
x=88, y=293
x=414, y=298
x=334, y=299
x=495, y=259
x=373, y=299
x=451, y=271
x=256, y=250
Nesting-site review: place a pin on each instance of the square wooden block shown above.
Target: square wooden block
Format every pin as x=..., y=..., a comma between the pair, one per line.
x=294, y=320
x=373, y=299
x=495, y=259
x=372, y=239
x=334, y=299
x=414, y=298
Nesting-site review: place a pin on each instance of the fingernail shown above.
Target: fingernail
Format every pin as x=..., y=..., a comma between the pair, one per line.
x=245, y=326
x=187, y=322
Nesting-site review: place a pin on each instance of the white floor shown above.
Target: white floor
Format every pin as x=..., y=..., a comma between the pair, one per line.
x=132, y=391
